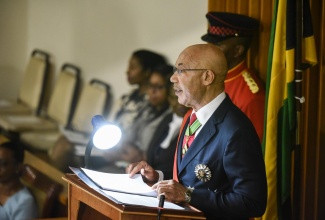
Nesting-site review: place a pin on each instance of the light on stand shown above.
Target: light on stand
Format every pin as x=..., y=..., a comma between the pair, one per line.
x=105, y=136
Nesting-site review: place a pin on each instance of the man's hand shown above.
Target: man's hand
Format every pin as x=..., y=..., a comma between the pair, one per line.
x=149, y=175
x=173, y=190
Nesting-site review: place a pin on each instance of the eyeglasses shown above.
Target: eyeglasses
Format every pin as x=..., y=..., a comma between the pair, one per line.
x=179, y=71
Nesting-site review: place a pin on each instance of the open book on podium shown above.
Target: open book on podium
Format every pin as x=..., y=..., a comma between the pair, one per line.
x=121, y=188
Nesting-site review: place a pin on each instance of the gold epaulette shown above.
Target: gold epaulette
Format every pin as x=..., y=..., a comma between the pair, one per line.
x=250, y=82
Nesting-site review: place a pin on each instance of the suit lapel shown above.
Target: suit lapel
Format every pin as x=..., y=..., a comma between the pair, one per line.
x=177, y=158
x=180, y=142
x=207, y=132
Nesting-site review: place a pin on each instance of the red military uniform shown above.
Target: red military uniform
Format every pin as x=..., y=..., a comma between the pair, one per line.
x=247, y=92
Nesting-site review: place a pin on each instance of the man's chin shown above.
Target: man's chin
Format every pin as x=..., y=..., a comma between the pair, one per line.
x=181, y=101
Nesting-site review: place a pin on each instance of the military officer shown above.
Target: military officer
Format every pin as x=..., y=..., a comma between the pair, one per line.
x=233, y=34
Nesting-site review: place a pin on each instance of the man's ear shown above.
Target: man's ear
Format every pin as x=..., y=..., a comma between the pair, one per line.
x=239, y=50
x=208, y=77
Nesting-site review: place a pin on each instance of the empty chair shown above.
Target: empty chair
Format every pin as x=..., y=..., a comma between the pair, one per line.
x=95, y=98
x=65, y=95
x=31, y=94
x=59, y=112
x=45, y=190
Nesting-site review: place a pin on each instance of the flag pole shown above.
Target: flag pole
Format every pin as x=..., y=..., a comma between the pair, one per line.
x=299, y=100
x=299, y=68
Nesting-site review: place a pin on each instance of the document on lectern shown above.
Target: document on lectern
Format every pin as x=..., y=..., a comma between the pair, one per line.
x=115, y=182
x=120, y=182
x=121, y=188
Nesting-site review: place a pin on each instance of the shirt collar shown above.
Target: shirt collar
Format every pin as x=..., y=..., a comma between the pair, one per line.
x=204, y=113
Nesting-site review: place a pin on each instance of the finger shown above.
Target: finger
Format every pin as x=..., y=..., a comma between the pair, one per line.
x=159, y=184
x=133, y=169
x=156, y=185
x=129, y=168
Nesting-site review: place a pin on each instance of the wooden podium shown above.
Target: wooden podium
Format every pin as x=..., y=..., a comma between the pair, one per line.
x=86, y=203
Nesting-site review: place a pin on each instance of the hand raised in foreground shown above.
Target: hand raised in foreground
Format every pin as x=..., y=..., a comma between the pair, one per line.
x=149, y=175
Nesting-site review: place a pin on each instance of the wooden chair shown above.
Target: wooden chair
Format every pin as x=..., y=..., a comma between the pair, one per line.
x=32, y=90
x=44, y=189
x=94, y=99
x=60, y=109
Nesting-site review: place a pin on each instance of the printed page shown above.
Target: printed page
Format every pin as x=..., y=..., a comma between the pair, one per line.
x=131, y=199
x=120, y=182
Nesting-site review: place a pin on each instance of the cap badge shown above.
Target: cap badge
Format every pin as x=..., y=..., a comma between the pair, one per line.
x=202, y=172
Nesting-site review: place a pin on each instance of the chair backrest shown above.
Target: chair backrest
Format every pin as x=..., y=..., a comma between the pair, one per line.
x=95, y=98
x=64, y=96
x=45, y=190
x=32, y=90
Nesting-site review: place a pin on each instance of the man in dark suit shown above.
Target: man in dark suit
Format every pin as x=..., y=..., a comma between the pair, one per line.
x=221, y=172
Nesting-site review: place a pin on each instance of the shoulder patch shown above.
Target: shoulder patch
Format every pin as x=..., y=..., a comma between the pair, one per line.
x=250, y=82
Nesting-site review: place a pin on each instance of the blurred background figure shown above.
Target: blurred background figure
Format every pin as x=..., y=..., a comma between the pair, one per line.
x=16, y=202
x=131, y=105
x=136, y=139
x=233, y=34
x=161, y=150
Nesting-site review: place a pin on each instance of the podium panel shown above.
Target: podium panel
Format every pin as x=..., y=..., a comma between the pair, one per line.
x=86, y=203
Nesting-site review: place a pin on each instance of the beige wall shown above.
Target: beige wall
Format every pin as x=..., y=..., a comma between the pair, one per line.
x=97, y=35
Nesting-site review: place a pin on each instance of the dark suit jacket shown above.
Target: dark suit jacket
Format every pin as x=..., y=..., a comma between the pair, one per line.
x=158, y=158
x=229, y=146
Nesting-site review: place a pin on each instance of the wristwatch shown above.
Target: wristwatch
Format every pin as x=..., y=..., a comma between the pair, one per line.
x=188, y=194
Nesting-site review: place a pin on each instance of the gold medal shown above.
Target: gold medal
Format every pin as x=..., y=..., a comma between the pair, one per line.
x=202, y=172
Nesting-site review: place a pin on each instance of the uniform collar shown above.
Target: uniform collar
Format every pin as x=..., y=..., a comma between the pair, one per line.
x=236, y=71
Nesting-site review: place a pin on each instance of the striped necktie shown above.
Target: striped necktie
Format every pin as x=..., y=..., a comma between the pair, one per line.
x=190, y=133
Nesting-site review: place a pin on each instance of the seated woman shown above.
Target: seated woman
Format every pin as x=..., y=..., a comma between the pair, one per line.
x=141, y=65
x=16, y=202
x=136, y=140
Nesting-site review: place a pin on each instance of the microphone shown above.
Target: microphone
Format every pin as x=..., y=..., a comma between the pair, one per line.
x=160, y=206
